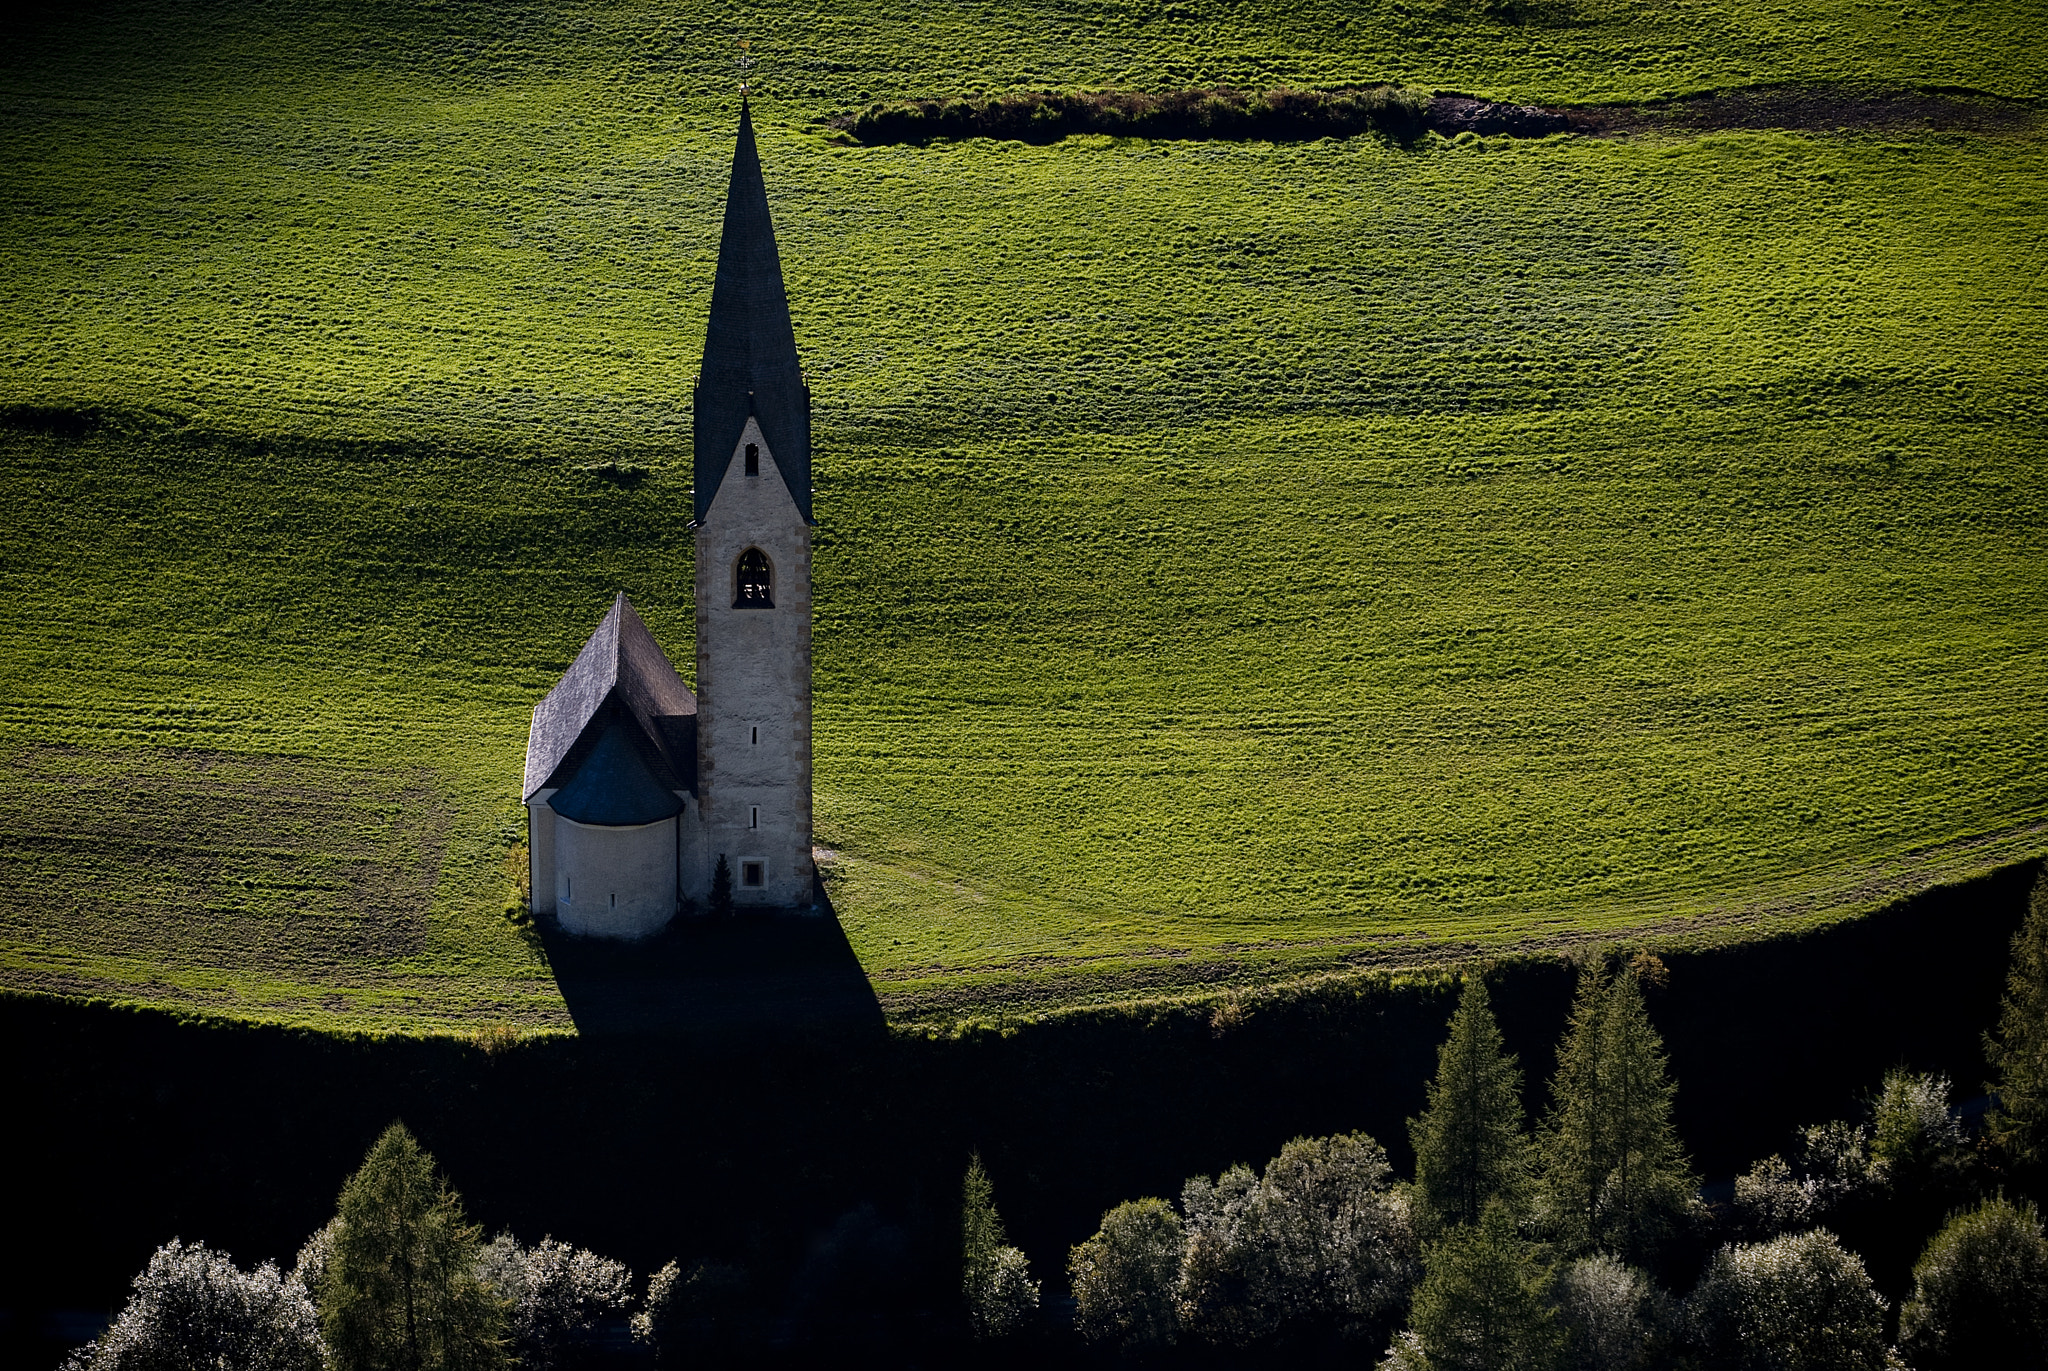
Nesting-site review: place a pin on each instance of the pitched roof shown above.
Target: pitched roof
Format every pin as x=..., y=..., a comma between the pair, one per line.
x=621, y=674
x=614, y=784
x=750, y=361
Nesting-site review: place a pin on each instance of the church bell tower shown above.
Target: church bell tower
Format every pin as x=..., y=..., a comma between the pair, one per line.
x=753, y=532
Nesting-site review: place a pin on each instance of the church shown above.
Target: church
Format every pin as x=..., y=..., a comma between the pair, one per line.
x=637, y=787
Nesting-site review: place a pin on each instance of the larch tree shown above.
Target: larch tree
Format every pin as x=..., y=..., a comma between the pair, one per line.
x=1470, y=1147
x=995, y=1278
x=1577, y=1153
x=1615, y=1176
x=401, y=1290
x=2020, y=1049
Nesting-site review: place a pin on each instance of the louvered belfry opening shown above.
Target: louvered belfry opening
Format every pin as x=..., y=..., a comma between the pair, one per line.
x=753, y=581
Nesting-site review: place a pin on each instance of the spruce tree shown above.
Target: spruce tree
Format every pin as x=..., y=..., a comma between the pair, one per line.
x=2020, y=1050
x=1615, y=1177
x=1469, y=1143
x=400, y=1291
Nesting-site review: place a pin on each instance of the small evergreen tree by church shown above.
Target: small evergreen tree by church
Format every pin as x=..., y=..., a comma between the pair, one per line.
x=637, y=788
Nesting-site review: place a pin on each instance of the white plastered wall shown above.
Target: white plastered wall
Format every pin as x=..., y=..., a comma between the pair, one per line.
x=540, y=852
x=754, y=674
x=615, y=881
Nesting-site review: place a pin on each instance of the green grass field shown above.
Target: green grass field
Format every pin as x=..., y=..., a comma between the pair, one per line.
x=1236, y=562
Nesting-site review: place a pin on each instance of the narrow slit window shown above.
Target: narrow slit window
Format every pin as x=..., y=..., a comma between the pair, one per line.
x=615, y=899
x=757, y=735
x=750, y=874
x=753, y=581
x=753, y=459
x=568, y=887
x=753, y=816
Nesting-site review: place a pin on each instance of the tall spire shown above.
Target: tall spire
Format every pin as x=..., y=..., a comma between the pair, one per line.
x=750, y=361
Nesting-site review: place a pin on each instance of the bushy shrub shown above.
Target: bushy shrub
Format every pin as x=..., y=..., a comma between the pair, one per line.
x=702, y=1316
x=557, y=1293
x=1770, y=1200
x=1321, y=1240
x=1006, y=1304
x=1980, y=1292
x=193, y=1310
x=1124, y=1277
x=1835, y=1156
x=1796, y=1303
x=1913, y=1132
x=1214, y=112
x=1614, y=1316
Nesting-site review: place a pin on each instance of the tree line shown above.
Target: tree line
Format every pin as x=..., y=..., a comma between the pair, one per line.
x=1581, y=1239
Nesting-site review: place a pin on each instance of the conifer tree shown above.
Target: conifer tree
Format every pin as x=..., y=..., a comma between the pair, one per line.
x=400, y=1292
x=981, y=1229
x=994, y=1279
x=2020, y=1051
x=1469, y=1143
x=721, y=888
x=1651, y=1179
x=1576, y=1152
x=1481, y=1305
x=1615, y=1177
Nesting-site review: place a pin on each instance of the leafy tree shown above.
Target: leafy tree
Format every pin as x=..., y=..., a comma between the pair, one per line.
x=1797, y=1303
x=1980, y=1292
x=1469, y=1143
x=1614, y=1174
x=994, y=1278
x=193, y=1310
x=1123, y=1278
x=558, y=1294
x=1321, y=1241
x=721, y=888
x=2020, y=1049
x=1481, y=1303
x=1615, y=1318
x=401, y=1291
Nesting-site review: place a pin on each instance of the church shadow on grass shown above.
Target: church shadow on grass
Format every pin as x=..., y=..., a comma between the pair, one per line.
x=752, y=974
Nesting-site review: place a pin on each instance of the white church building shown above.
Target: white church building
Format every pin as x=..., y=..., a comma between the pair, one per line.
x=636, y=787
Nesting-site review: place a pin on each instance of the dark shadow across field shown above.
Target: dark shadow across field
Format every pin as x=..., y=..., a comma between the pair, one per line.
x=751, y=975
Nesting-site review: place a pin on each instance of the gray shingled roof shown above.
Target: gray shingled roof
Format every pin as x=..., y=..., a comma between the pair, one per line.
x=621, y=672
x=750, y=361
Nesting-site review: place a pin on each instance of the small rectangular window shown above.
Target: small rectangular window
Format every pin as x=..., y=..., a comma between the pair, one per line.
x=753, y=459
x=757, y=735
x=615, y=899
x=750, y=874
x=754, y=816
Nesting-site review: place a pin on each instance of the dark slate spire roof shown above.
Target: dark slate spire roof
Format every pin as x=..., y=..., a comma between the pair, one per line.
x=750, y=362
x=621, y=682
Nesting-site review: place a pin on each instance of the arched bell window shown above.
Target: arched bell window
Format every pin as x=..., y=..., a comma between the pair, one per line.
x=753, y=581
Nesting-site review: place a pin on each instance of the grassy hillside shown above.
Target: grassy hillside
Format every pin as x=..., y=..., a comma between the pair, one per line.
x=1234, y=560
